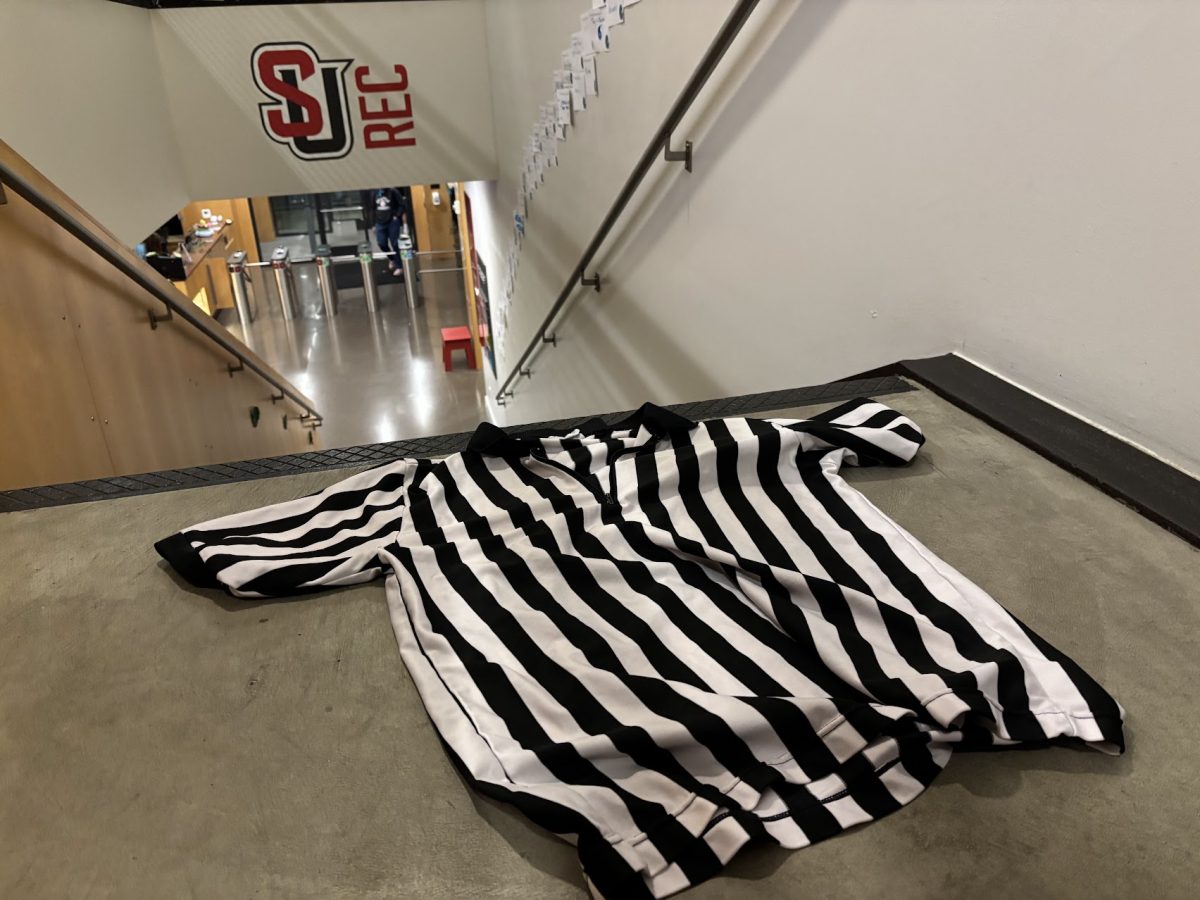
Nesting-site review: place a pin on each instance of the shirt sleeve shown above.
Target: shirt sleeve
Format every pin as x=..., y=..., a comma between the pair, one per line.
x=871, y=434
x=327, y=539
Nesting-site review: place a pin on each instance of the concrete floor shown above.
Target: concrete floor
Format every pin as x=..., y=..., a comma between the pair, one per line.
x=160, y=741
x=373, y=377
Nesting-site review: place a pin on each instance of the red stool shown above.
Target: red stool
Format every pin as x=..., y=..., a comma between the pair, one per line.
x=457, y=339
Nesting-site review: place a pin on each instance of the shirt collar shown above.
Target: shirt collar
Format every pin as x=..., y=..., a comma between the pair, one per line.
x=492, y=440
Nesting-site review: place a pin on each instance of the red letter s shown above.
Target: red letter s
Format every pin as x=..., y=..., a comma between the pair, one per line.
x=314, y=120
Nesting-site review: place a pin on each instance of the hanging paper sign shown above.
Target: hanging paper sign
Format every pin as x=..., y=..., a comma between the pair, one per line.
x=591, y=84
x=595, y=24
x=562, y=98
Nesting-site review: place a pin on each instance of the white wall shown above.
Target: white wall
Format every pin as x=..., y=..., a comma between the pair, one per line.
x=1014, y=179
x=205, y=56
x=81, y=98
x=134, y=113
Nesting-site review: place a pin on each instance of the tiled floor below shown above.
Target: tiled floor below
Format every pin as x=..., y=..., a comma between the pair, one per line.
x=373, y=377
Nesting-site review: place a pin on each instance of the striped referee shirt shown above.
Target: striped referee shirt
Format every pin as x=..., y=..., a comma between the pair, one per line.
x=665, y=639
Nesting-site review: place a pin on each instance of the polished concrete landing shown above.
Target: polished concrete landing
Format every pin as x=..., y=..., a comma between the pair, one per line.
x=373, y=377
x=160, y=741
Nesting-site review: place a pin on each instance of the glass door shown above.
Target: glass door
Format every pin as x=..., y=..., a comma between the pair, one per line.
x=343, y=218
x=295, y=216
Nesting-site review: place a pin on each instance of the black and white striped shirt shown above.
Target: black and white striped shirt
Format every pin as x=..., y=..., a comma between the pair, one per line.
x=666, y=639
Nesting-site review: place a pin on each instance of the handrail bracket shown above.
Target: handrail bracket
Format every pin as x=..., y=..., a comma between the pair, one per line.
x=593, y=282
x=154, y=320
x=684, y=156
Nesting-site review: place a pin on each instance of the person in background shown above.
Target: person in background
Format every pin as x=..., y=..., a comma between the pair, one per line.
x=392, y=216
x=155, y=245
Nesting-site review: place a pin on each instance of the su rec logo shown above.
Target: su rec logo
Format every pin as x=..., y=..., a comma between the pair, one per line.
x=309, y=110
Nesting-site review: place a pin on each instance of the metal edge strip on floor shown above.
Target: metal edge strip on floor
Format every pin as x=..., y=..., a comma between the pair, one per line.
x=1160, y=492
x=439, y=445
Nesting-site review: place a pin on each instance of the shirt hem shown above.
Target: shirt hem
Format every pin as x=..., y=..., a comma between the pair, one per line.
x=718, y=832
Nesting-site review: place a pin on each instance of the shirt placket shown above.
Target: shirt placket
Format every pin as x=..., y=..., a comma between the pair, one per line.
x=588, y=480
x=591, y=481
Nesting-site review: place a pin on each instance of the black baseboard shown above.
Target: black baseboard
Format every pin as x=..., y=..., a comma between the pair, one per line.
x=1158, y=491
x=118, y=486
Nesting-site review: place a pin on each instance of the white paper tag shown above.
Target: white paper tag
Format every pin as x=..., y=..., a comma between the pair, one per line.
x=595, y=24
x=591, y=83
x=562, y=97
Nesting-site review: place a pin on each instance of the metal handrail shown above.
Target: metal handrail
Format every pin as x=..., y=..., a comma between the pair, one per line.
x=660, y=143
x=171, y=298
x=378, y=254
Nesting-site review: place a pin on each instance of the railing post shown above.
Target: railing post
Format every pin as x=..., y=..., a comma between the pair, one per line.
x=366, y=260
x=410, y=277
x=325, y=280
x=282, y=267
x=236, y=264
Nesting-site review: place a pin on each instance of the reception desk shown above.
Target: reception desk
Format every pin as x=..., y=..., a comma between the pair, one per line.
x=205, y=280
x=201, y=274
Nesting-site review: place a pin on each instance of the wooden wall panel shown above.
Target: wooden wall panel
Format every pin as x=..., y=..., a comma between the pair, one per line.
x=166, y=394
x=50, y=423
x=89, y=389
x=264, y=221
x=434, y=224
